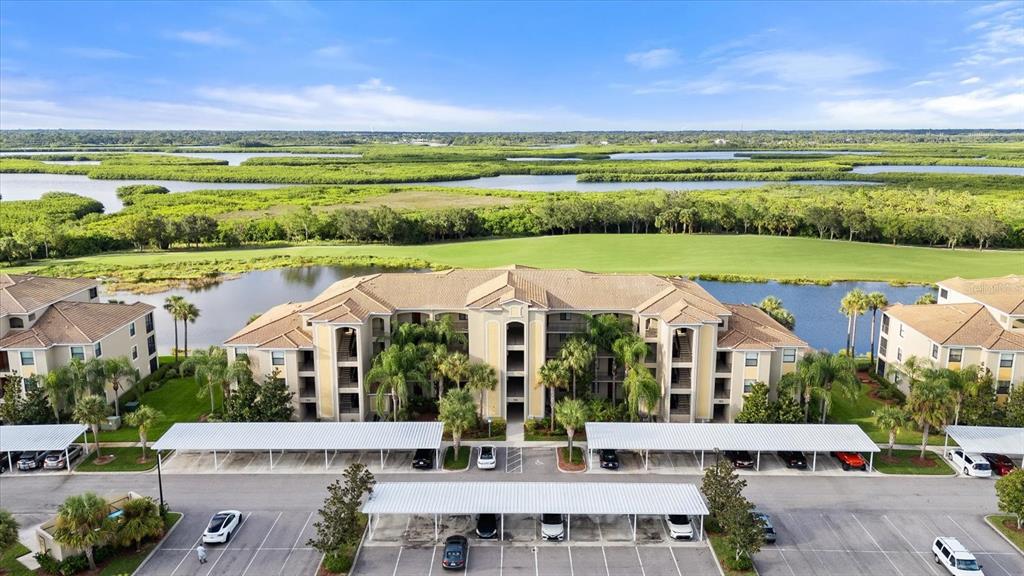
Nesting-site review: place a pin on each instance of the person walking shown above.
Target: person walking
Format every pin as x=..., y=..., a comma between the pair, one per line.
x=201, y=553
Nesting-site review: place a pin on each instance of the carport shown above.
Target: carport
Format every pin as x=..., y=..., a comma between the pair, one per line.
x=302, y=437
x=986, y=439
x=684, y=437
x=501, y=498
x=39, y=437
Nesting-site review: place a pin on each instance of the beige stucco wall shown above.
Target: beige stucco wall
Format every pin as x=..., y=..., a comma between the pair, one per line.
x=704, y=370
x=534, y=391
x=326, y=369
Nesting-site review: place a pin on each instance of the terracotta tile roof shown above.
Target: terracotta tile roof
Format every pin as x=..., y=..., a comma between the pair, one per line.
x=957, y=325
x=75, y=323
x=279, y=327
x=20, y=294
x=1005, y=294
x=750, y=328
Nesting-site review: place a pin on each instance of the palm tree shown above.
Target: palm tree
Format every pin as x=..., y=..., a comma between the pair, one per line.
x=482, y=377
x=603, y=331
x=91, y=410
x=630, y=350
x=434, y=355
x=577, y=355
x=83, y=522
x=853, y=305
x=773, y=307
x=554, y=375
x=95, y=377
x=891, y=418
x=929, y=405
x=58, y=386
x=171, y=305
x=642, y=392
x=915, y=369
x=407, y=333
x=457, y=412
x=876, y=301
x=189, y=315
x=572, y=413
x=454, y=367
x=392, y=372
x=211, y=370
x=144, y=418
x=442, y=331
x=116, y=369
x=140, y=519
x=823, y=374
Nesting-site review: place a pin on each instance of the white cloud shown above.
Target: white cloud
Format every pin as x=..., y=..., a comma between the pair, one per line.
x=333, y=51
x=375, y=84
x=205, y=38
x=971, y=80
x=653, y=59
x=982, y=108
x=98, y=53
x=805, y=68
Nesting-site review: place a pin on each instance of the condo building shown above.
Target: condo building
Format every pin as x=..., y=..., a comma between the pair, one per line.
x=705, y=354
x=45, y=323
x=974, y=322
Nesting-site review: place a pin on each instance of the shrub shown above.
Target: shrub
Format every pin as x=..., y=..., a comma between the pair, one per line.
x=340, y=562
x=73, y=565
x=47, y=563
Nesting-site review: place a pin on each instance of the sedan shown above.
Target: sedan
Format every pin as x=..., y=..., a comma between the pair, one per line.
x=851, y=460
x=423, y=459
x=766, y=525
x=10, y=459
x=739, y=458
x=609, y=460
x=487, y=459
x=487, y=526
x=456, y=548
x=1000, y=464
x=31, y=460
x=794, y=460
x=55, y=460
x=552, y=527
x=222, y=527
x=679, y=527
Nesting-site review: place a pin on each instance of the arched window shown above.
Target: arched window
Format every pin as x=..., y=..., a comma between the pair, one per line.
x=17, y=323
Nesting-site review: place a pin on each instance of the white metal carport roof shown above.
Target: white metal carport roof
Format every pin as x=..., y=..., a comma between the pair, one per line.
x=263, y=436
x=535, y=498
x=39, y=437
x=664, y=436
x=988, y=439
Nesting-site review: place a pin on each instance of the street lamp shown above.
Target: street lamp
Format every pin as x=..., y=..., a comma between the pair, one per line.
x=489, y=420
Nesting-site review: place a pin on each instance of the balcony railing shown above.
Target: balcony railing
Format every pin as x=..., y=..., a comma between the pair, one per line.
x=721, y=393
x=515, y=390
x=651, y=332
x=307, y=392
x=555, y=325
x=723, y=367
x=682, y=383
x=514, y=365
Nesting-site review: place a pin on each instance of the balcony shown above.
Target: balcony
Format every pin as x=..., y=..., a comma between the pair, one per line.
x=515, y=387
x=515, y=365
x=307, y=389
x=682, y=347
x=651, y=332
x=348, y=378
x=306, y=361
x=348, y=404
x=377, y=330
x=722, y=392
x=556, y=324
x=347, y=346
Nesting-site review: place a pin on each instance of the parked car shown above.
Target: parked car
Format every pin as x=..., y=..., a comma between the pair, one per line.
x=222, y=527
x=456, y=548
x=679, y=527
x=487, y=459
x=423, y=459
x=850, y=460
x=1001, y=465
x=609, y=460
x=10, y=459
x=952, y=555
x=794, y=459
x=970, y=464
x=739, y=458
x=31, y=460
x=766, y=525
x=552, y=527
x=487, y=526
x=55, y=460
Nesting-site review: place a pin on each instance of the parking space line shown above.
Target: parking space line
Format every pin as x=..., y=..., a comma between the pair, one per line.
x=198, y=540
x=253, y=559
x=978, y=545
x=296, y=544
x=638, y=559
x=571, y=571
x=675, y=562
x=536, y=563
x=909, y=545
x=228, y=545
x=784, y=559
x=802, y=536
x=605, y=556
x=433, y=553
x=397, y=560
x=875, y=542
x=501, y=561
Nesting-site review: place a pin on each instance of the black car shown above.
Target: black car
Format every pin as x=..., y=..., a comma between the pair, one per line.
x=31, y=460
x=55, y=459
x=455, y=550
x=423, y=459
x=487, y=526
x=8, y=460
x=609, y=459
x=739, y=458
x=794, y=460
x=766, y=525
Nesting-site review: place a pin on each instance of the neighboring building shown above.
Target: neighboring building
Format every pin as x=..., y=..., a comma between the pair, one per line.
x=704, y=353
x=46, y=322
x=974, y=322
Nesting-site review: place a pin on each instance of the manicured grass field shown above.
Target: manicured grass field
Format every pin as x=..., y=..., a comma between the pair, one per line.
x=177, y=399
x=906, y=462
x=9, y=565
x=724, y=552
x=746, y=255
x=453, y=462
x=126, y=460
x=860, y=412
x=1007, y=524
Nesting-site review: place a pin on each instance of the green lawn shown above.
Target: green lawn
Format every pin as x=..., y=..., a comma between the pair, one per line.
x=1007, y=524
x=725, y=555
x=859, y=411
x=9, y=564
x=178, y=401
x=129, y=563
x=453, y=462
x=745, y=255
x=906, y=462
x=125, y=460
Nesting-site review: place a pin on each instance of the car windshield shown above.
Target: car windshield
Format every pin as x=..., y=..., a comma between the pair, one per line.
x=609, y=455
x=454, y=552
x=487, y=452
x=486, y=521
x=551, y=519
x=971, y=564
x=217, y=522
x=678, y=519
x=982, y=466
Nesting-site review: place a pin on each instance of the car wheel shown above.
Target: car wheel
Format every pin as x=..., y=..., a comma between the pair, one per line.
x=227, y=538
x=846, y=466
x=936, y=558
x=966, y=473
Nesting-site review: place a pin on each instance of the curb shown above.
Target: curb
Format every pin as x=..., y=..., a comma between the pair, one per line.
x=1003, y=536
x=469, y=462
x=157, y=547
x=718, y=563
x=558, y=464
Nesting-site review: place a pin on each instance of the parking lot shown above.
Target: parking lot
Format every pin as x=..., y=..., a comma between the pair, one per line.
x=839, y=543
x=267, y=543
x=689, y=463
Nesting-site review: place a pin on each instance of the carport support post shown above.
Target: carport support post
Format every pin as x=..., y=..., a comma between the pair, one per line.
x=700, y=534
x=67, y=459
x=814, y=462
x=701, y=459
x=871, y=462
x=435, y=528
x=568, y=527
x=382, y=459
x=10, y=466
x=271, y=453
x=215, y=460
x=945, y=444
x=501, y=535
x=758, y=468
x=634, y=527
x=326, y=464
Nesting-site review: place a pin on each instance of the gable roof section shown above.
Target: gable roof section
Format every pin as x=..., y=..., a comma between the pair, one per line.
x=279, y=327
x=21, y=294
x=750, y=328
x=1005, y=294
x=75, y=323
x=957, y=325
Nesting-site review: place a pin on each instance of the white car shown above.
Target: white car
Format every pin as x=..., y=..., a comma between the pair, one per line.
x=222, y=527
x=487, y=459
x=952, y=555
x=552, y=527
x=679, y=527
x=970, y=464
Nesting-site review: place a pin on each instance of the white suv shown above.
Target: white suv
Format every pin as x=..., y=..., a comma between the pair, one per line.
x=970, y=464
x=487, y=459
x=952, y=555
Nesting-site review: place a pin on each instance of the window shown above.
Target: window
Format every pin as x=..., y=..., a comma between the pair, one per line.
x=748, y=386
x=97, y=350
x=151, y=344
x=93, y=293
x=32, y=317
x=277, y=358
x=789, y=355
x=885, y=323
x=1003, y=387
x=16, y=323
x=131, y=329
x=751, y=359
x=899, y=354
x=149, y=323
x=565, y=316
x=943, y=294
x=935, y=351
x=956, y=354
x=28, y=358
x=1006, y=360
x=77, y=353
x=135, y=352
x=901, y=329
x=883, y=344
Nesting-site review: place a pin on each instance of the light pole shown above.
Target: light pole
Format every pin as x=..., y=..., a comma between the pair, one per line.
x=489, y=420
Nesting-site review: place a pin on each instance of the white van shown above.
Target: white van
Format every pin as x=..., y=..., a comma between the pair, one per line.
x=955, y=558
x=970, y=464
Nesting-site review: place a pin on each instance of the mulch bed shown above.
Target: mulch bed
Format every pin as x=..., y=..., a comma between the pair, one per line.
x=565, y=464
x=104, y=459
x=1011, y=525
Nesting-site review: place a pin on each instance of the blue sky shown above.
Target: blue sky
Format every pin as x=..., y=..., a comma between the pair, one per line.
x=511, y=66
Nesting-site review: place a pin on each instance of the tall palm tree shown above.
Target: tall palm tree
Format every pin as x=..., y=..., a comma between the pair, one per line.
x=454, y=367
x=481, y=378
x=915, y=369
x=91, y=410
x=144, y=418
x=577, y=355
x=892, y=419
x=962, y=383
x=433, y=355
x=773, y=307
x=642, y=392
x=823, y=375
x=115, y=370
x=442, y=331
x=572, y=414
x=83, y=522
x=211, y=370
x=171, y=305
x=929, y=405
x=393, y=371
x=458, y=414
x=603, y=331
x=140, y=519
x=876, y=301
x=58, y=387
x=554, y=375
x=853, y=305
x=189, y=314
x=95, y=377
x=407, y=333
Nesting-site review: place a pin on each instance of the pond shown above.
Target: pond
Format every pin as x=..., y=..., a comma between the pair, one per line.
x=226, y=307
x=726, y=154
x=15, y=186
x=232, y=158
x=543, y=159
x=992, y=170
x=569, y=183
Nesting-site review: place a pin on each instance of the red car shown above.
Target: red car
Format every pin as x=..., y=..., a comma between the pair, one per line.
x=1001, y=465
x=851, y=460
